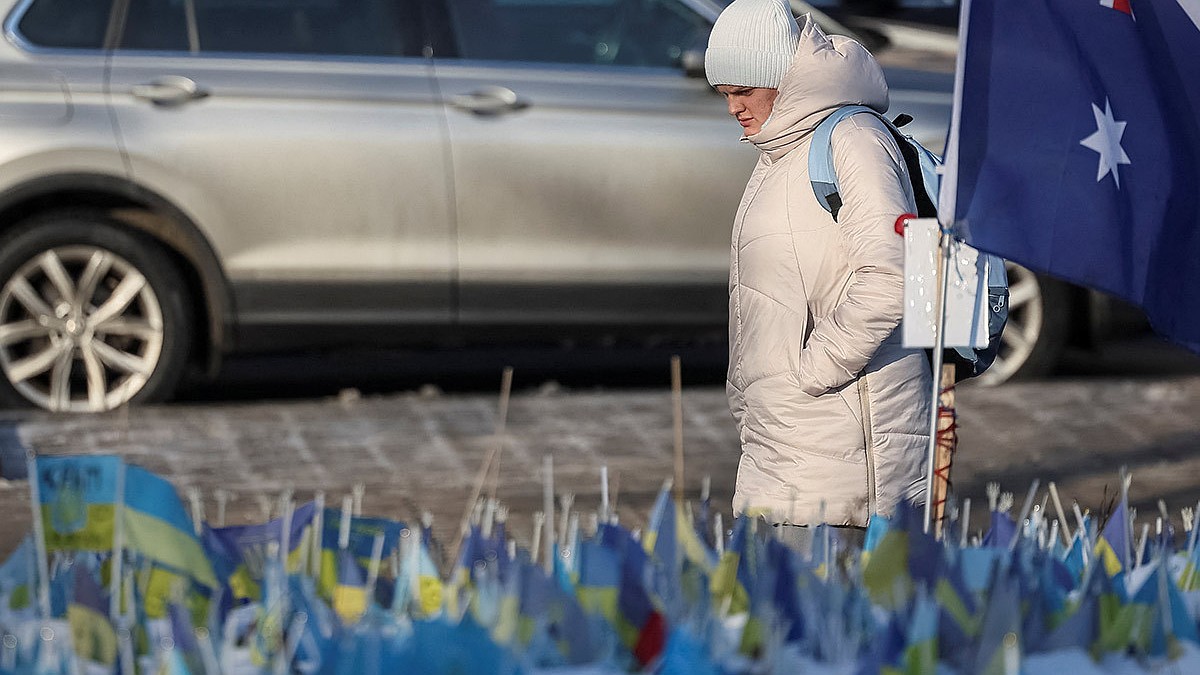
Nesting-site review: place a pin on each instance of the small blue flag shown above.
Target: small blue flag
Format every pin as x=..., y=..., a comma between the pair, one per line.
x=78, y=496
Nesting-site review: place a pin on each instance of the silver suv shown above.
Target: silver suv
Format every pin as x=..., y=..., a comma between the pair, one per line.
x=180, y=179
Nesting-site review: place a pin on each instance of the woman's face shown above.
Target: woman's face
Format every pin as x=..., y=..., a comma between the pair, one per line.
x=751, y=106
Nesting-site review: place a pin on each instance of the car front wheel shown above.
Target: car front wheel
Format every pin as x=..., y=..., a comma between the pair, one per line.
x=92, y=316
x=1036, y=333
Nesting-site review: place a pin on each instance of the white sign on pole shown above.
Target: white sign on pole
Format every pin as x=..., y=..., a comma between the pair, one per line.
x=966, y=293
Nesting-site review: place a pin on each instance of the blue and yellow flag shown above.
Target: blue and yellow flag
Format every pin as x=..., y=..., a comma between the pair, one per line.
x=317, y=644
x=240, y=552
x=730, y=582
x=16, y=577
x=430, y=591
x=350, y=592
x=1001, y=530
x=920, y=653
x=783, y=563
x=1075, y=557
x=185, y=654
x=885, y=575
x=78, y=500
x=641, y=626
x=599, y=577
x=470, y=552
x=671, y=538
x=550, y=623
x=1001, y=619
x=92, y=634
x=1114, y=544
x=157, y=527
x=362, y=539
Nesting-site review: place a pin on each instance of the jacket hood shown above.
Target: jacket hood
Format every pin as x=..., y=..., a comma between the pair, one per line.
x=828, y=72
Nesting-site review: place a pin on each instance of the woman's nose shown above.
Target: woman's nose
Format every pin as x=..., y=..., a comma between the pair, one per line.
x=735, y=107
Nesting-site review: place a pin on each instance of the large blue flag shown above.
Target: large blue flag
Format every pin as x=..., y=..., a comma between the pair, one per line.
x=1078, y=147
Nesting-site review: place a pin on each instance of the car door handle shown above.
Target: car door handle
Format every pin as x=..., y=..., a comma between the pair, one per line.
x=490, y=101
x=169, y=91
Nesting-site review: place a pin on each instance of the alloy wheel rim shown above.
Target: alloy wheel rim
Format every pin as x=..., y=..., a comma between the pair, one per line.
x=1024, y=326
x=81, y=330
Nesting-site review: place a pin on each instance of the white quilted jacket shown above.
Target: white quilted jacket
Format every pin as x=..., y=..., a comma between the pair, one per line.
x=830, y=409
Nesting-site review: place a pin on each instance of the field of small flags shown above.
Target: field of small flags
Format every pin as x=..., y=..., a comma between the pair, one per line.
x=119, y=577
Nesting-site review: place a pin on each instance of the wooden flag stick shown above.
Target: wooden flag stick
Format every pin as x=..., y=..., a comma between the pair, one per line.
x=489, y=517
x=318, y=532
x=947, y=439
x=616, y=492
x=373, y=568
x=1126, y=479
x=506, y=379
x=1195, y=520
x=1025, y=510
x=357, y=493
x=566, y=502
x=535, y=543
x=1141, y=545
x=966, y=522
x=344, y=526
x=1065, y=528
x=222, y=496
x=486, y=468
x=719, y=532
x=196, y=500
x=677, y=396
x=604, y=493
x=548, y=536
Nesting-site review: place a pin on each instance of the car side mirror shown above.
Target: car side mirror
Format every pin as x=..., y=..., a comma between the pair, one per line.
x=692, y=62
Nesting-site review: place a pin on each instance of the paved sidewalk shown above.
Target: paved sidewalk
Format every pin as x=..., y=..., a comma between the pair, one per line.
x=422, y=451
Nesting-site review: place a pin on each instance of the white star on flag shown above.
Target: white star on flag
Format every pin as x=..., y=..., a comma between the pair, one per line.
x=1107, y=142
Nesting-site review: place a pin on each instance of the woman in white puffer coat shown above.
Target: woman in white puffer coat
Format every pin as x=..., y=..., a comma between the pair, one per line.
x=831, y=410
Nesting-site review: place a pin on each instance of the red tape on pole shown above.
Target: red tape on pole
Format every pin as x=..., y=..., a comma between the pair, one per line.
x=947, y=439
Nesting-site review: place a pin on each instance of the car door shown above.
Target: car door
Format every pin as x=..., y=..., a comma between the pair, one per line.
x=305, y=140
x=595, y=182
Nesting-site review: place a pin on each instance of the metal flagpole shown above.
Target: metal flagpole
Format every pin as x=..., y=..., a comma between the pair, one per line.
x=946, y=212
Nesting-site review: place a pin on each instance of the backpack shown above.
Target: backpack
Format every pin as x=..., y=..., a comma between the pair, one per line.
x=924, y=170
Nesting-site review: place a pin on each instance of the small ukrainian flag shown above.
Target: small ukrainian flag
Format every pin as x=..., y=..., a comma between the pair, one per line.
x=350, y=593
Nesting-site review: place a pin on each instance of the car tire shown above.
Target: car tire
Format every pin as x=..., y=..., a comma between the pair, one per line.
x=1039, y=315
x=93, y=316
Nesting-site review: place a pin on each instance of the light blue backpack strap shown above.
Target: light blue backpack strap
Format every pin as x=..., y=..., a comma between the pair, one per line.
x=997, y=275
x=820, y=158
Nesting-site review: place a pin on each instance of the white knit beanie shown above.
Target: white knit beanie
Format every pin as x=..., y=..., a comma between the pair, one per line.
x=751, y=44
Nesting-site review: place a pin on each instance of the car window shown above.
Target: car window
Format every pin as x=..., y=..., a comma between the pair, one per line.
x=323, y=27
x=605, y=32
x=72, y=24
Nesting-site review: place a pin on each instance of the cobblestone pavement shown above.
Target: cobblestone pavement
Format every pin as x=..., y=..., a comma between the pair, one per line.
x=422, y=450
